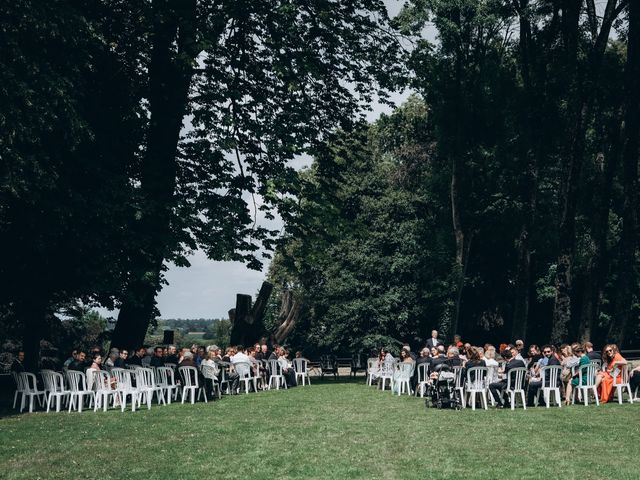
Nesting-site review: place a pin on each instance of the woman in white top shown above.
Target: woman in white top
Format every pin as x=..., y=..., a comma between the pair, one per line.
x=492, y=364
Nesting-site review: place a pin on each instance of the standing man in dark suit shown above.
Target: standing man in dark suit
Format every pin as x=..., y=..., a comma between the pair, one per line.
x=434, y=341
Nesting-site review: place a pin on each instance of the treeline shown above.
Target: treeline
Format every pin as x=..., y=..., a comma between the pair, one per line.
x=132, y=132
x=499, y=202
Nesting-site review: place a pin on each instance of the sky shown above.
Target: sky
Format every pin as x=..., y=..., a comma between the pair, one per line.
x=208, y=289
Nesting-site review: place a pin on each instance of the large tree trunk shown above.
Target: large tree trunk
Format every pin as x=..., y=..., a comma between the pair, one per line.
x=628, y=244
x=173, y=51
x=580, y=98
x=247, y=320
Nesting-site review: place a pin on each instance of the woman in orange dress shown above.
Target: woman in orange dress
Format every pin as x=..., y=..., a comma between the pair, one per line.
x=604, y=381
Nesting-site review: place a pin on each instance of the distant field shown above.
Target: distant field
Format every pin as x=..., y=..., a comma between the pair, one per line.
x=331, y=430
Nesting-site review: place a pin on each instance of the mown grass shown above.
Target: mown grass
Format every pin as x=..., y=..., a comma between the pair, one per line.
x=327, y=431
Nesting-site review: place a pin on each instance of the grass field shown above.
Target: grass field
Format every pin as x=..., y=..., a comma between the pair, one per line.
x=327, y=431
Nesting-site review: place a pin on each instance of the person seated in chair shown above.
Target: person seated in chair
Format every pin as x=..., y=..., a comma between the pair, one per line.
x=287, y=369
x=593, y=355
x=440, y=357
x=17, y=365
x=453, y=357
x=172, y=355
x=157, y=360
x=535, y=383
x=79, y=364
x=579, y=350
x=136, y=359
x=497, y=388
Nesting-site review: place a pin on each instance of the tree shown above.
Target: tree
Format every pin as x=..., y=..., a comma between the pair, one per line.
x=65, y=183
x=261, y=82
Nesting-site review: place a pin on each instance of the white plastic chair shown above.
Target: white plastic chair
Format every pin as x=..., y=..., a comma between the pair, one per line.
x=386, y=373
x=209, y=372
x=78, y=390
x=476, y=385
x=300, y=366
x=125, y=388
x=103, y=386
x=146, y=386
x=276, y=377
x=597, y=363
x=550, y=376
x=402, y=378
x=224, y=380
x=423, y=378
x=54, y=388
x=166, y=381
x=623, y=373
x=492, y=377
x=191, y=384
x=459, y=384
x=30, y=389
x=372, y=370
x=245, y=376
x=515, y=386
x=586, y=384
x=19, y=388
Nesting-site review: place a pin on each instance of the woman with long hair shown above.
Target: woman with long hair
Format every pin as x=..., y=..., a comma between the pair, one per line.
x=613, y=361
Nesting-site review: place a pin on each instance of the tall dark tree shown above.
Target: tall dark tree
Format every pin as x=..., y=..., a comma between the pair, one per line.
x=630, y=155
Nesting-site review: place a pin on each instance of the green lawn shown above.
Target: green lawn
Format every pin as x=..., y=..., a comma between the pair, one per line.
x=329, y=430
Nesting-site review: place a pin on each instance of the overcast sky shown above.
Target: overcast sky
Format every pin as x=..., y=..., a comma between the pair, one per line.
x=208, y=289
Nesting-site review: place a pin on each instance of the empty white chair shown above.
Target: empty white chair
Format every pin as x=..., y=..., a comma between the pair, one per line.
x=477, y=385
x=191, y=384
x=423, y=378
x=30, y=389
x=459, y=384
x=372, y=370
x=210, y=373
x=300, y=366
x=550, y=376
x=166, y=381
x=103, y=386
x=276, y=378
x=492, y=377
x=586, y=384
x=402, y=378
x=78, y=390
x=19, y=388
x=146, y=386
x=598, y=364
x=245, y=375
x=225, y=384
x=515, y=386
x=623, y=373
x=386, y=373
x=54, y=388
x=124, y=388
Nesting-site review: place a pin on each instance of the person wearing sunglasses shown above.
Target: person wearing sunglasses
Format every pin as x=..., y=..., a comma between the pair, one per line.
x=613, y=363
x=535, y=382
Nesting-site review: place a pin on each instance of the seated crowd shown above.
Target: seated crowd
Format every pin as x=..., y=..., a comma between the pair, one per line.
x=570, y=357
x=222, y=364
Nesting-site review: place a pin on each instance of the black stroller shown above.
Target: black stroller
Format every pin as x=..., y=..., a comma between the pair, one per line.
x=442, y=392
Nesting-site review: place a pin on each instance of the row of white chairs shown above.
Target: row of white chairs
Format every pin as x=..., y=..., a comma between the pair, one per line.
x=136, y=385
x=398, y=375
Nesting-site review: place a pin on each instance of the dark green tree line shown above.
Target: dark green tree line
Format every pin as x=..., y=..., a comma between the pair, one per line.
x=524, y=109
